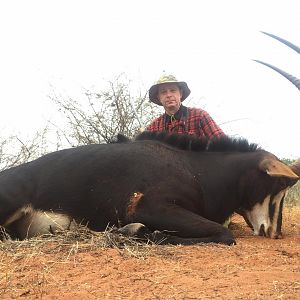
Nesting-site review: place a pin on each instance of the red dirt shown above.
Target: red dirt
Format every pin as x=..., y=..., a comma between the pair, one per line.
x=256, y=268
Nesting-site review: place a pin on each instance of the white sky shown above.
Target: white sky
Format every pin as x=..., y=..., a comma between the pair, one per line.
x=208, y=44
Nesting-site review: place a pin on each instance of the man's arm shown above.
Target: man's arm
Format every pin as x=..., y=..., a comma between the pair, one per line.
x=209, y=126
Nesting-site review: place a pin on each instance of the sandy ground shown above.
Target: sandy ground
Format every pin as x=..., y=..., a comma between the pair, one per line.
x=255, y=268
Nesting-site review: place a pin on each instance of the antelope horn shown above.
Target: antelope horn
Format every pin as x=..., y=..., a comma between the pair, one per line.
x=287, y=43
x=294, y=80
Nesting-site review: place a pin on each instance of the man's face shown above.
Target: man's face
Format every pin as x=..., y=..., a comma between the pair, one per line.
x=169, y=94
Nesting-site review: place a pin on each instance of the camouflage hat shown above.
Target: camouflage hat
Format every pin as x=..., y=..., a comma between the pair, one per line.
x=153, y=91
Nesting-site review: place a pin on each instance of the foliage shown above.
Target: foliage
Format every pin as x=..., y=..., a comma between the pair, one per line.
x=15, y=151
x=293, y=196
x=287, y=160
x=104, y=114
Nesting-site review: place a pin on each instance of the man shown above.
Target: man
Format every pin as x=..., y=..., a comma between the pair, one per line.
x=170, y=93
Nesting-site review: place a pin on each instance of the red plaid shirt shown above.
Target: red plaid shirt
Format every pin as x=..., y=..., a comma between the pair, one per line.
x=188, y=120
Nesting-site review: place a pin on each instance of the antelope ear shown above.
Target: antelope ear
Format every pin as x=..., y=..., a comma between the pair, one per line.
x=276, y=168
x=295, y=166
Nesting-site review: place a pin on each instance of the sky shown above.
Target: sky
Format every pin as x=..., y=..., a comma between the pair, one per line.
x=75, y=45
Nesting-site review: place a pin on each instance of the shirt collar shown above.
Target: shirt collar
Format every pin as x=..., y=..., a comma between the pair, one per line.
x=177, y=116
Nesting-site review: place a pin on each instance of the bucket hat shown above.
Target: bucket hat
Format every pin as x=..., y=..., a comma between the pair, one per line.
x=153, y=91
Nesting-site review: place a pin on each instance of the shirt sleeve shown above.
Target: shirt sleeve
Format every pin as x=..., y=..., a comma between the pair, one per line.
x=151, y=126
x=154, y=125
x=209, y=126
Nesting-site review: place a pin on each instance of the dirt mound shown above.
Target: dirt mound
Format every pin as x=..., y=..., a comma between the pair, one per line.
x=256, y=268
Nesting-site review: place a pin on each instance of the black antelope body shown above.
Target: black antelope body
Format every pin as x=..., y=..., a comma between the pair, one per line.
x=177, y=186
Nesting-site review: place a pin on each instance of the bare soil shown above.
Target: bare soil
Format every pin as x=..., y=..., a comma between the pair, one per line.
x=255, y=268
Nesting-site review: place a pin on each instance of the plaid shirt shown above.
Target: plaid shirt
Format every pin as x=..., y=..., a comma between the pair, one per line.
x=188, y=120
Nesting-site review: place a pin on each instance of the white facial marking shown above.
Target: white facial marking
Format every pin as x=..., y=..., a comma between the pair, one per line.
x=259, y=215
x=260, y=218
x=276, y=203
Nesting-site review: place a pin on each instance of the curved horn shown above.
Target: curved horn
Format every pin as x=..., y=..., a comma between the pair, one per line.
x=287, y=43
x=294, y=80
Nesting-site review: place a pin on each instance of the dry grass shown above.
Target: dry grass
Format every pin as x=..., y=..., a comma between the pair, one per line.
x=79, y=239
